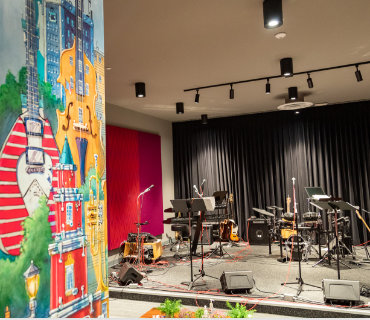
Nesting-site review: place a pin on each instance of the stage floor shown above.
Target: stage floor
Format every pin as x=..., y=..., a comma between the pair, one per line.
x=165, y=278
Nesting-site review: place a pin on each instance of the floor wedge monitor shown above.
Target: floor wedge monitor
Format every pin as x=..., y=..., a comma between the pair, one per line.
x=236, y=281
x=341, y=291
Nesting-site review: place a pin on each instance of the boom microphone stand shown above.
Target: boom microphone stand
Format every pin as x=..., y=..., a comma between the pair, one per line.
x=139, y=224
x=299, y=281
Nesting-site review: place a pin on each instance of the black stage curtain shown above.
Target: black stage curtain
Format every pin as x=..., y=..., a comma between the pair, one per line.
x=255, y=157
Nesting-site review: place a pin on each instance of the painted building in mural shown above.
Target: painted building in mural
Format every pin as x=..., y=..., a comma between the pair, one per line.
x=53, y=245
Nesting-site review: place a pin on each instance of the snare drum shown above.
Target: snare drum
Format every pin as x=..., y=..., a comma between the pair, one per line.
x=310, y=216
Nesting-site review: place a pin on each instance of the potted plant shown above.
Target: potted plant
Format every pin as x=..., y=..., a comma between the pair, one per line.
x=170, y=307
x=239, y=311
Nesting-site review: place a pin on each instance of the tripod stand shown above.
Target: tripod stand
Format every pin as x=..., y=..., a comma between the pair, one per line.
x=299, y=281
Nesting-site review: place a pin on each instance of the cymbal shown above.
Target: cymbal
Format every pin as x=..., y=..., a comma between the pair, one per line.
x=275, y=207
x=266, y=213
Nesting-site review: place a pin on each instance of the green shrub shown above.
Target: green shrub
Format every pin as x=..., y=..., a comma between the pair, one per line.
x=170, y=307
x=239, y=311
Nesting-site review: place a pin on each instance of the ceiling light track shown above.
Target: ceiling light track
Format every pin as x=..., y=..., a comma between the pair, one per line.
x=356, y=64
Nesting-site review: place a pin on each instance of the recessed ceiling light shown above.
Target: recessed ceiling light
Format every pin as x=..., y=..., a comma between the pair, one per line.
x=108, y=68
x=280, y=35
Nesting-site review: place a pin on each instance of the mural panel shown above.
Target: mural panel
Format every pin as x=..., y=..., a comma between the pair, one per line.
x=53, y=216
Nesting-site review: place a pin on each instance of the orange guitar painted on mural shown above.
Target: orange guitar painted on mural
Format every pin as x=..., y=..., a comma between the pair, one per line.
x=78, y=121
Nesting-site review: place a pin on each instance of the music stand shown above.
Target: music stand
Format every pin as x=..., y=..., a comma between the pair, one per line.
x=339, y=205
x=201, y=205
x=183, y=206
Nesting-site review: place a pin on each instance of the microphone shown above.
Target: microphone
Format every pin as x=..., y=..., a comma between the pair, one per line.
x=204, y=180
x=146, y=190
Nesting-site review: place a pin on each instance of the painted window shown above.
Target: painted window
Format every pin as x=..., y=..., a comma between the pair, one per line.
x=69, y=214
x=87, y=89
x=71, y=60
x=87, y=69
x=79, y=23
x=100, y=78
x=80, y=115
x=70, y=277
x=80, y=65
x=71, y=82
x=67, y=20
x=80, y=87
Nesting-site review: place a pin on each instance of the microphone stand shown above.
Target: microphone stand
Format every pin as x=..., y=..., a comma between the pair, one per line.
x=299, y=281
x=139, y=224
x=201, y=273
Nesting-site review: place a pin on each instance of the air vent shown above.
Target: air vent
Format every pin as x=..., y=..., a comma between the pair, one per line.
x=294, y=105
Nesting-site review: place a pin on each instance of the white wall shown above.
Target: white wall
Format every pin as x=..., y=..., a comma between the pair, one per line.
x=121, y=117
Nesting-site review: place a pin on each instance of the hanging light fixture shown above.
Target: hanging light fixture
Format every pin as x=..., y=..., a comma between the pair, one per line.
x=231, y=95
x=358, y=74
x=179, y=107
x=286, y=67
x=204, y=118
x=140, y=89
x=197, y=97
x=268, y=87
x=293, y=93
x=309, y=81
x=272, y=13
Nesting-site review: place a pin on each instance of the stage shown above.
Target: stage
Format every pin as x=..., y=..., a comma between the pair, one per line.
x=165, y=278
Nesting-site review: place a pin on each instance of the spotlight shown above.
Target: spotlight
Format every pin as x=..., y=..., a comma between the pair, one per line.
x=268, y=87
x=297, y=112
x=293, y=93
x=197, y=97
x=140, y=89
x=231, y=92
x=286, y=67
x=358, y=74
x=272, y=13
x=179, y=107
x=204, y=119
x=309, y=81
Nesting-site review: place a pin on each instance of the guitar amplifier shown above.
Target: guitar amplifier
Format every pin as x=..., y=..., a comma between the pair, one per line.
x=207, y=234
x=258, y=231
x=151, y=250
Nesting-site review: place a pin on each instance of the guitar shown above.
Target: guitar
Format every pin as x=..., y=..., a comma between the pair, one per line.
x=28, y=155
x=228, y=228
x=233, y=226
x=78, y=121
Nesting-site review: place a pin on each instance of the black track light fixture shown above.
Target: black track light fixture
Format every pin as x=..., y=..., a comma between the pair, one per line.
x=272, y=13
x=293, y=93
x=140, y=89
x=309, y=81
x=179, y=107
x=286, y=67
x=231, y=95
x=204, y=118
x=358, y=74
x=197, y=97
x=268, y=86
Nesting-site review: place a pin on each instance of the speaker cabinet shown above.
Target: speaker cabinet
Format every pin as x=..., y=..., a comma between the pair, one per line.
x=258, y=231
x=341, y=291
x=128, y=274
x=236, y=281
x=207, y=237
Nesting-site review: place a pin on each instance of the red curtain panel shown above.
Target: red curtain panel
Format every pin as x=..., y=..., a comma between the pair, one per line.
x=133, y=164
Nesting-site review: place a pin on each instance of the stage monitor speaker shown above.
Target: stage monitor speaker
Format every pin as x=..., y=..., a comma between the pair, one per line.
x=207, y=234
x=341, y=290
x=129, y=274
x=258, y=231
x=236, y=281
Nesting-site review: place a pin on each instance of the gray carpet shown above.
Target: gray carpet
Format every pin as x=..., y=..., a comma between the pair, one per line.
x=169, y=273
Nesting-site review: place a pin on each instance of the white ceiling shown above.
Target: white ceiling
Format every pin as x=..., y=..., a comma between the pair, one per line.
x=172, y=45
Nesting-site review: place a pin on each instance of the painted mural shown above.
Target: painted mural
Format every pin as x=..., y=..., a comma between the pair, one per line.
x=53, y=213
